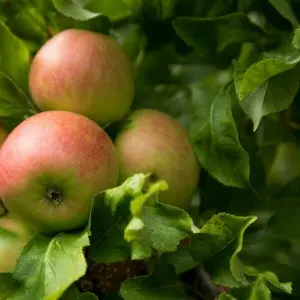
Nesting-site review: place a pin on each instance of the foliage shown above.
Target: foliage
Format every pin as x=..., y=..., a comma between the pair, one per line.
x=229, y=72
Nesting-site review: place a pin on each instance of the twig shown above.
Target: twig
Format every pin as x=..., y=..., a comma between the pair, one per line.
x=212, y=290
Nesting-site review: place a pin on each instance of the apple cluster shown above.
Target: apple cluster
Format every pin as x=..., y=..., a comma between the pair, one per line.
x=55, y=162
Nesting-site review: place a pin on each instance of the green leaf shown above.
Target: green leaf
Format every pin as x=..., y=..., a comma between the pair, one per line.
x=99, y=24
x=112, y=296
x=225, y=267
x=296, y=38
x=283, y=169
x=74, y=10
x=182, y=260
x=115, y=10
x=134, y=42
x=248, y=55
x=42, y=6
x=220, y=231
x=174, y=100
x=167, y=8
x=235, y=28
x=215, y=139
x=28, y=22
x=225, y=296
x=219, y=269
x=259, y=290
x=8, y=286
x=274, y=95
x=162, y=283
x=284, y=8
x=128, y=222
x=110, y=215
x=48, y=266
x=270, y=84
x=12, y=99
x=260, y=72
x=272, y=64
x=270, y=277
x=155, y=69
x=156, y=9
x=88, y=296
x=71, y=293
x=155, y=225
x=14, y=57
x=285, y=222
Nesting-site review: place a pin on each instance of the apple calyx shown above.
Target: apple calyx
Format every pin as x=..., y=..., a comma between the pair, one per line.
x=54, y=195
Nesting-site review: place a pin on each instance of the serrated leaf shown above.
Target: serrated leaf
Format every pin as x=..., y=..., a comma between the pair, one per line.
x=74, y=10
x=223, y=31
x=162, y=283
x=215, y=139
x=14, y=57
x=221, y=230
x=225, y=267
x=285, y=9
x=155, y=225
x=270, y=277
x=128, y=222
x=110, y=215
x=12, y=99
x=48, y=266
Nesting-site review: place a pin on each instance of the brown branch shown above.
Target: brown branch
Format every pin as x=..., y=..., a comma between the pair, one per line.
x=212, y=291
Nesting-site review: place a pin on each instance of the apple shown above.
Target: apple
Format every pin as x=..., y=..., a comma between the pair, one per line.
x=3, y=133
x=153, y=142
x=83, y=72
x=14, y=235
x=51, y=167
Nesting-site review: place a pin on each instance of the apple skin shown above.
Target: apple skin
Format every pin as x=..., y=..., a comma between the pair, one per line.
x=153, y=142
x=3, y=134
x=83, y=72
x=14, y=235
x=51, y=167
